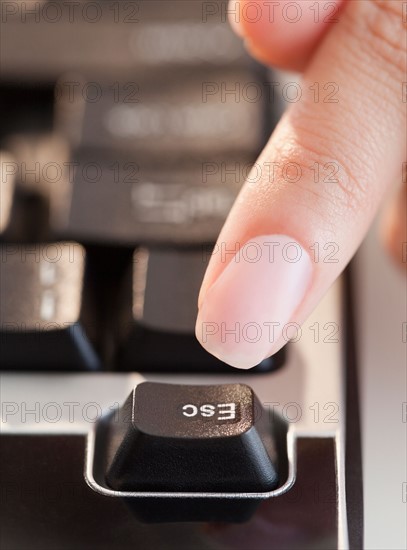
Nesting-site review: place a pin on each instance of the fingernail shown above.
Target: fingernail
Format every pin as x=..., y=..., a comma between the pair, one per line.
x=246, y=311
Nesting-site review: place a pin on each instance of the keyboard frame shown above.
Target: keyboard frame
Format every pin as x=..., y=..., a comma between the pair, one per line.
x=313, y=378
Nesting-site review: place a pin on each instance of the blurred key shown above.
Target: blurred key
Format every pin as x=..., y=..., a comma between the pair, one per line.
x=44, y=321
x=130, y=36
x=185, y=202
x=158, y=313
x=196, y=111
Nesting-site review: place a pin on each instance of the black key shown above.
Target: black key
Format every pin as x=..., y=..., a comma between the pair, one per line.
x=130, y=37
x=185, y=202
x=44, y=322
x=197, y=111
x=163, y=161
x=158, y=313
x=176, y=438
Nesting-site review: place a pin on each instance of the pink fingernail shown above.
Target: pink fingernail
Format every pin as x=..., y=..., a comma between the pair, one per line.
x=246, y=311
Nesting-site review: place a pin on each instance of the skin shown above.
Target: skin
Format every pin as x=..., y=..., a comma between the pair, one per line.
x=363, y=51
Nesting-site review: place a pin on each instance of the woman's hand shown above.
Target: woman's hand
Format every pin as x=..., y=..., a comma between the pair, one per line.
x=324, y=171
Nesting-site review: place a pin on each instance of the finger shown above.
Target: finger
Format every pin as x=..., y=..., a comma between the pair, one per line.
x=394, y=228
x=283, y=33
x=333, y=164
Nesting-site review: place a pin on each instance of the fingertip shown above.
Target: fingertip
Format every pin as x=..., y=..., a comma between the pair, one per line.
x=244, y=312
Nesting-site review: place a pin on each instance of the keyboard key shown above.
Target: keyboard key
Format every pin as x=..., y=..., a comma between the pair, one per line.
x=44, y=321
x=132, y=36
x=198, y=112
x=179, y=438
x=158, y=313
x=184, y=202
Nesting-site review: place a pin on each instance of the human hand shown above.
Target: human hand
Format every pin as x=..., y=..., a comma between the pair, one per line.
x=286, y=240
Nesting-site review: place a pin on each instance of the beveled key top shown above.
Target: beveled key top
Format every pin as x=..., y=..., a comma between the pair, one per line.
x=44, y=322
x=188, y=452
x=182, y=202
x=202, y=112
x=131, y=38
x=192, y=438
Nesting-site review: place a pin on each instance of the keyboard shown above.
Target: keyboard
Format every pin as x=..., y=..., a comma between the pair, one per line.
x=137, y=124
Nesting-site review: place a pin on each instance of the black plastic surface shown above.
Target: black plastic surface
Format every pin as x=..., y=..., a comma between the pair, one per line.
x=175, y=438
x=46, y=505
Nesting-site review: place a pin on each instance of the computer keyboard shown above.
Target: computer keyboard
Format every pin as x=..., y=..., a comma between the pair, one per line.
x=110, y=216
x=136, y=131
